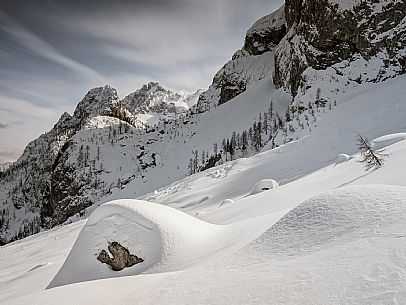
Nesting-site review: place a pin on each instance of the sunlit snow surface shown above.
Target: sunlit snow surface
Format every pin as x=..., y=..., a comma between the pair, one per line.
x=331, y=233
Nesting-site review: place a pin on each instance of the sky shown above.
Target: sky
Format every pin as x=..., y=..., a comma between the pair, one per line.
x=52, y=52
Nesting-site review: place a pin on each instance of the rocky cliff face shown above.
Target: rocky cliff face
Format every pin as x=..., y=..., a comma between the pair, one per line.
x=324, y=33
x=248, y=65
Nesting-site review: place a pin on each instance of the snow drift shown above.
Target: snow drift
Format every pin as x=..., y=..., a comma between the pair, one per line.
x=345, y=214
x=165, y=238
x=387, y=140
x=153, y=232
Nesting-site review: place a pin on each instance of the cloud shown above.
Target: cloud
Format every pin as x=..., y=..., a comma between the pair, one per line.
x=43, y=48
x=7, y=155
x=21, y=109
x=3, y=126
x=25, y=122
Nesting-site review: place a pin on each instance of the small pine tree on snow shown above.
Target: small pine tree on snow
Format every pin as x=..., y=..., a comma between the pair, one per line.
x=370, y=157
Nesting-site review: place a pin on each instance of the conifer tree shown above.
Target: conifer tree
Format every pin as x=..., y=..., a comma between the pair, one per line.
x=370, y=157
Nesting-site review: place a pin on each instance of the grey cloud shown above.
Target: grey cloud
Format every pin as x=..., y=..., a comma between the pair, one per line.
x=42, y=48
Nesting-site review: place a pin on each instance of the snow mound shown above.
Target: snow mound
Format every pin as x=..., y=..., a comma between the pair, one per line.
x=165, y=238
x=226, y=202
x=341, y=158
x=387, y=140
x=337, y=216
x=263, y=185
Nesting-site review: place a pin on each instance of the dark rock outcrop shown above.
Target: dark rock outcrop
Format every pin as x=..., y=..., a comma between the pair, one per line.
x=324, y=32
x=248, y=65
x=122, y=258
x=266, y=33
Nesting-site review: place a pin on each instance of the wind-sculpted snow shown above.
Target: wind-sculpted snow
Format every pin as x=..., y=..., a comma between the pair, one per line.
x=387, y=140
x=148, y=230
x=337, y=216
x=165, y=238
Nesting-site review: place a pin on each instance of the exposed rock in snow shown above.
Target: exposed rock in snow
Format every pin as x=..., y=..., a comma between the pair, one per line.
x=122, y=258
x=165, y=238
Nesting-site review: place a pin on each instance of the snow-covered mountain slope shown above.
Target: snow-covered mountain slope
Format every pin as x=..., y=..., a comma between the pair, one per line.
x=153, y=102
x=41, y=190
x=30, y=188
x=147, y=161
x=362, y=111
x=334, y=236
x=81, y=163
x=104, y=151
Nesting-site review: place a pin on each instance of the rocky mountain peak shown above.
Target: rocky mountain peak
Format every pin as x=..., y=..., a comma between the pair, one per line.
x=152, y=97
x=98, y=101
x=152, y=86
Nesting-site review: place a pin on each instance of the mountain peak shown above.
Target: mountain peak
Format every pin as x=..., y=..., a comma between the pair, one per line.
x=98, y=101
x=153, y=97
x=152, y=85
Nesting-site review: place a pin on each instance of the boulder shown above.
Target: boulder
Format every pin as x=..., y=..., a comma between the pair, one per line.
x=122, y=258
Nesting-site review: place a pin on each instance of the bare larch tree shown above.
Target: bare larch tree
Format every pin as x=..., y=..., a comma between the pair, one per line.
x=370, y=157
